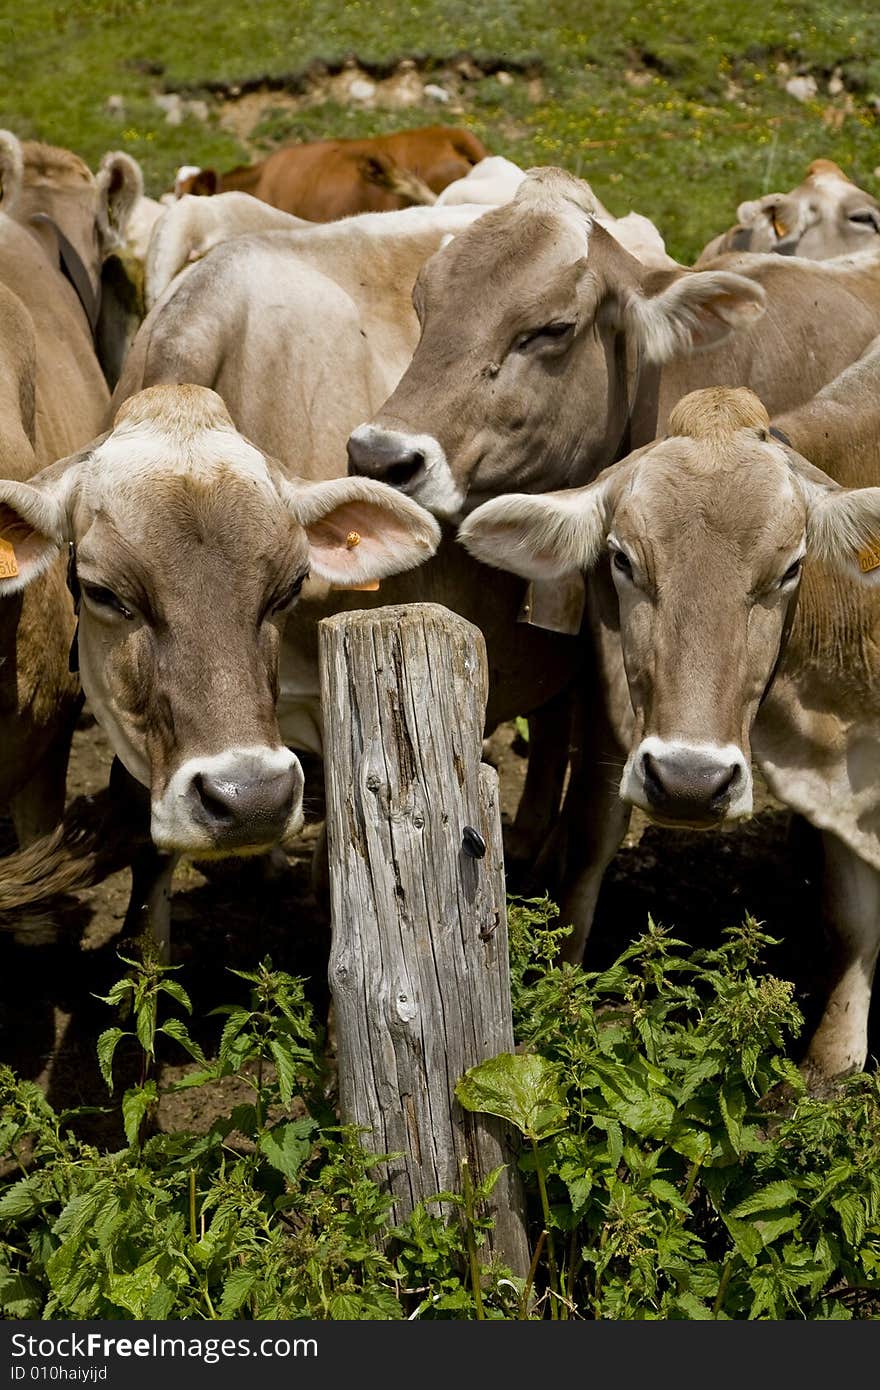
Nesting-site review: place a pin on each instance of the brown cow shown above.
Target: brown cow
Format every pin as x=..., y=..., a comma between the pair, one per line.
x=57, y=222
x=190, y=547
x=545, y=347
x=826, y=215
x=322, y=180
x=700, y=544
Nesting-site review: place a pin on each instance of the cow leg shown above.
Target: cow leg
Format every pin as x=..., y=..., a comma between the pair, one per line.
x=39, y=806
x=592, y=823
x=149, y=907
x=549, y=751
x=851, y=902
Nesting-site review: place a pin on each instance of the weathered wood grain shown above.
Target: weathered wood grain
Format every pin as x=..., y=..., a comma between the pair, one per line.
x=419, y=967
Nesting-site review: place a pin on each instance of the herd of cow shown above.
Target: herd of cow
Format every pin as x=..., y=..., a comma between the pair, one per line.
x=505, y=400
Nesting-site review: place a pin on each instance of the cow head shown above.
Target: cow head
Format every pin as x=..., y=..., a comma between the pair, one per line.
x=826, y=215
x=190, y=549
x=705, y=535
x=518, y=381
x=91, y=210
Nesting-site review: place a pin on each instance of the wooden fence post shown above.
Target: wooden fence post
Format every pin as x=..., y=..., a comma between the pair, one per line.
x=418, y=967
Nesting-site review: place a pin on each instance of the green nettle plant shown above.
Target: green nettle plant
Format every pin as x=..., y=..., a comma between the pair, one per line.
x=674, y=1165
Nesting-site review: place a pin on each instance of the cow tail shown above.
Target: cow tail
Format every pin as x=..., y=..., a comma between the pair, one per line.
x=92, y=841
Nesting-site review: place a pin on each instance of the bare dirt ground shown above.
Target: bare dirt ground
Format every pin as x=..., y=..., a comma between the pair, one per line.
x=231, y=916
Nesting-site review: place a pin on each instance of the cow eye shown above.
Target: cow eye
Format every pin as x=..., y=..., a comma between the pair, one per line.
x=287, y=598
x=102, y=597
x=547, y=333
x=621, y=563
x=792, y=573
x=866, y=217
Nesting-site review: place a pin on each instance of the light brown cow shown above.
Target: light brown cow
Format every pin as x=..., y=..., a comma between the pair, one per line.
x=323, y=180
x=191, y=547
x=543, y=343
x=302, y=333
x=701, y=544
x=547, y=351
x=52, y=399
x=826, y=215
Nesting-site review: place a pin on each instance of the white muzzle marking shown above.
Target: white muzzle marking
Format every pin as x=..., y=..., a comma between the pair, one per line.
x=178, y=821
x=707, y=758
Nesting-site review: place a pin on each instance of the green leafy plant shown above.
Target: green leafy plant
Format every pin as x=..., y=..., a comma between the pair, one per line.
x=674, y=1165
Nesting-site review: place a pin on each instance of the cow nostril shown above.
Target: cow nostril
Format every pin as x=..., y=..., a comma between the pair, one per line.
x=216, y=796
x=727, y=780
x=399, y=474
x=654, y=788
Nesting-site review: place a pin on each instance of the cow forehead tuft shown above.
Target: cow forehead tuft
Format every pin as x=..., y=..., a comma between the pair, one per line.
x=135, y=451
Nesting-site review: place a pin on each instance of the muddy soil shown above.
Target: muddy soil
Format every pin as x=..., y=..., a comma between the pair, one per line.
x=232, y=915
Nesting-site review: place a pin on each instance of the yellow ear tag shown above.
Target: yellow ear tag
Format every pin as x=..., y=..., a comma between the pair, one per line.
x=9, y=564
x=369, y=586
x=779, y=227
x=869, y=557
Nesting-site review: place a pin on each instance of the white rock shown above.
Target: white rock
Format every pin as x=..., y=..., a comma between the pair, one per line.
x=801, y=88
x=361, y=89
x=436, y=93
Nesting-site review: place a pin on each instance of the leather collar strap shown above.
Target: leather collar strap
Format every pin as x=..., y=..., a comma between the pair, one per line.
x=73, y=269
x=76, y=595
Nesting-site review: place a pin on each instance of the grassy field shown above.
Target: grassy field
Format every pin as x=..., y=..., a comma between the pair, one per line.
x=675, y=109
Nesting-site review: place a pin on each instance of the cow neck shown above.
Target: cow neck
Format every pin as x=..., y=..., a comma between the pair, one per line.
x=73, y=269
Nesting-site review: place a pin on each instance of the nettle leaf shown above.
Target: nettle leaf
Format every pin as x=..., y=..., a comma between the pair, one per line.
x=852, y=1218
x=175, y=1028
x=288, y=1145
x=286, y=1058
x=20, y=1297
x=236, y=1289
x=746, y=1239
x=178, y=993
x=106, y=1047
x=520, y=1087
x=769, y=1198
x=24, y=1198
x=145, y=1024
x=135, y=1291
x=770, y=1228
x=135, y=1104
x=667, y=1192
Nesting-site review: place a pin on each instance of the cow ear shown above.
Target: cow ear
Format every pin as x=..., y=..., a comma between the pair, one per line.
x=11, y=170
x=675, y=312
x=35, y=521
x=843, y=526
x=120, y=185
x=360, y=530
x=543, y=536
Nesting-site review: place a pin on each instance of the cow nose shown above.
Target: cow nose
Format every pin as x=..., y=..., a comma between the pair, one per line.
x=246, y=808
x=384, y=454
x=688, y=783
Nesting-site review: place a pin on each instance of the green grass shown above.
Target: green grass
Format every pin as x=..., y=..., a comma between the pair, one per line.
x=709, y=126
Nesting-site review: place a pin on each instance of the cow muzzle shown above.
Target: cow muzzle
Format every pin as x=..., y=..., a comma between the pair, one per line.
x=415, y=464
x=241, y=801
x=688, y=785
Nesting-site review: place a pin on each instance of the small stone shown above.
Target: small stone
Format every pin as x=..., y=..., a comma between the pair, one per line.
x=505, y=78
x=199, y=109
x=115, y=106
x=435, y=93
x=801, y=88
x=835, y=84
x=362, y=89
